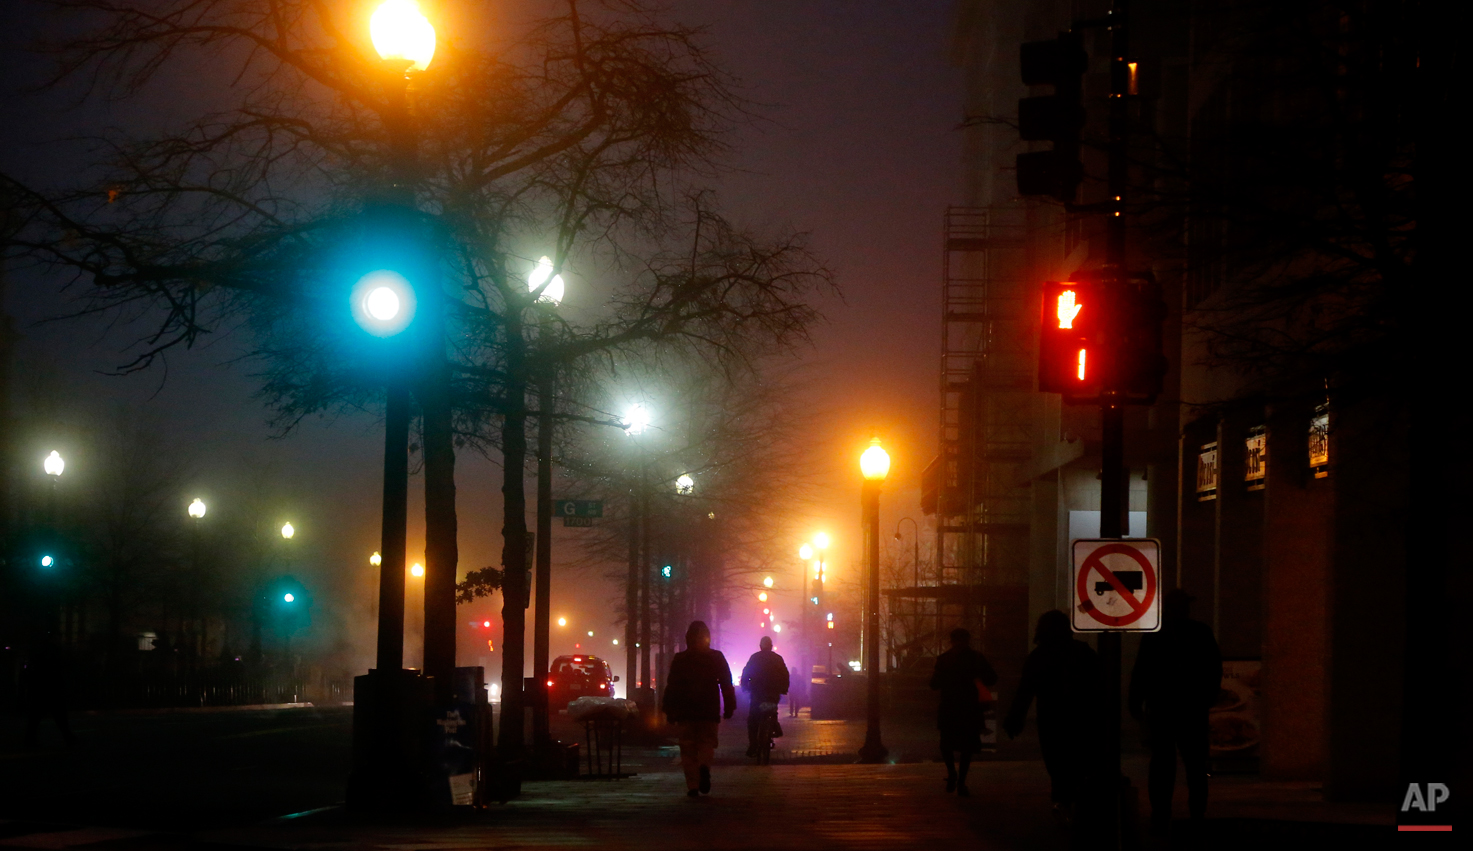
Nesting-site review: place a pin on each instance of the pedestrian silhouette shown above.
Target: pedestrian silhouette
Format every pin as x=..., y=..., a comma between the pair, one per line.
x=795, y=692
x=44, y=690
x=698, y=686
x=1177, y=677
x=961, y=675
x=1064, y=676
x=765, y=679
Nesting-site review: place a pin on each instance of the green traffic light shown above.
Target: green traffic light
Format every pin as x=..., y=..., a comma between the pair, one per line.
x=666, y=571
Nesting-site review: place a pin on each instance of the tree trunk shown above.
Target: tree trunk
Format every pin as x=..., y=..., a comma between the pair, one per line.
x=441, y=550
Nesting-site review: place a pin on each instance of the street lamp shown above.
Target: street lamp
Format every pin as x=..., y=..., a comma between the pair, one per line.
x=685, y=485
x=544, y=284
x=401, y=33
x=288, y=530
x=874, y=464
x=417, y=570
x=375, y=559
x=54, y=465
x=197, y=509
x=637, y=419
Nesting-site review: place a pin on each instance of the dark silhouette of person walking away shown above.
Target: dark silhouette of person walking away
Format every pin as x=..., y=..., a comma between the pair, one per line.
x=765, y=678
x=1064, y=675
x=44, y=687
x=1177, y=677
x=959, y=715
x=698, y=686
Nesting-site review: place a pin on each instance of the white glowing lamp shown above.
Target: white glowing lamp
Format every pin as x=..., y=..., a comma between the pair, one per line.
x=551, y=294
x=805, y=552
x=875, y=462
x=685, y=484
x=197, y=509
x=375, y=559
x=401, y=32
x=53, y=465
x=637, y=420
x=288, y=530
x=821, y=540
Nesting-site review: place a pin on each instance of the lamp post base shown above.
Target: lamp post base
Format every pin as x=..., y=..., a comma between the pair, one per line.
x=873, y=751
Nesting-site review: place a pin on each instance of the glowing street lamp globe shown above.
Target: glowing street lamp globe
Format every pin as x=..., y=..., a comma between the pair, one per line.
x=821, y=540
x=383, y=303
x=767, y=581
x=552, y=293
x=685, y=484
x=289, y=597
x=53, y=465
x=288, y=530
x=637, y=420
x=805, y=552
x=197, y=509
x=400, y=32
x=47, y=561
x=417, y=569
x=875, y=462
x=375, y=559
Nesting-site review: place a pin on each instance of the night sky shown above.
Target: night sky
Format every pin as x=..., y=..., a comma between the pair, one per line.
x=856, y=144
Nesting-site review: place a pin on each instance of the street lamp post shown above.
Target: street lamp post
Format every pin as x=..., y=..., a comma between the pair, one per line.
x=637, y=421
x=548, y=289
x=197, y=514
x=875, y=465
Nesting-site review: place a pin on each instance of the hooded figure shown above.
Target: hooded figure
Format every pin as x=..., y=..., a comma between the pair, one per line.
x=1064, y=676
x=698, y=685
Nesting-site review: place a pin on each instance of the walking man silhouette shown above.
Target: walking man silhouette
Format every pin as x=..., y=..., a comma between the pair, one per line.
x=1064, y=675
x=1177, y=677
x=698, y=686
x=959, y=671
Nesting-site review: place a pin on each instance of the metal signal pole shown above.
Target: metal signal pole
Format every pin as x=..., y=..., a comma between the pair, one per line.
x=1113, y=507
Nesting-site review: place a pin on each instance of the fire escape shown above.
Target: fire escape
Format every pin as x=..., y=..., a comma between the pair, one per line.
x=976, y=487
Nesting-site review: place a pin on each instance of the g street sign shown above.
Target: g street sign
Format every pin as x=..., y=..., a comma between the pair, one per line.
x=577, y=508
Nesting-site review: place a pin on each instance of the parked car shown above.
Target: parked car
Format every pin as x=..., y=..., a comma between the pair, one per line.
x=572, y=677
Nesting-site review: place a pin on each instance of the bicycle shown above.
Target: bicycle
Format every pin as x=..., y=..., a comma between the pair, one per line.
x=767, y=729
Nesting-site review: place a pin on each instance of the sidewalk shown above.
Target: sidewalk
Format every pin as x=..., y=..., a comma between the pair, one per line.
x=812, y=797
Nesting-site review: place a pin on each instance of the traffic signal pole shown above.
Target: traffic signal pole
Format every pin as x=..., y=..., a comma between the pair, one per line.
x=1113, y=506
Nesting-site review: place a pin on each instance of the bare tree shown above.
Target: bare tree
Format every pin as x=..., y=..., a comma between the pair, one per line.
x=583, y=132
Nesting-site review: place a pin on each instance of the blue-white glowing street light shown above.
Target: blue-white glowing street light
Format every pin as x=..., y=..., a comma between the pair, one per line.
x=383, y=303
x=541, y=280
x=47, y=561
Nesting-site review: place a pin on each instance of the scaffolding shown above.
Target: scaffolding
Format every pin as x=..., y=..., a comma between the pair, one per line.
x=976, y=487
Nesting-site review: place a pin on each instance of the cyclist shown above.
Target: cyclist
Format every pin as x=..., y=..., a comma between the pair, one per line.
x=765, y=678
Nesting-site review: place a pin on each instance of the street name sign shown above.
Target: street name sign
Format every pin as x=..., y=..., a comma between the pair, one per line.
x=1117, y=584
x=577, y=508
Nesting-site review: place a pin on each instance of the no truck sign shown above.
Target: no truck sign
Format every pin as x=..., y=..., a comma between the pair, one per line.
x=1117, y=586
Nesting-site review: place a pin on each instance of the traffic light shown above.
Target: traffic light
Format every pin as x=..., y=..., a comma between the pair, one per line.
x=1058, y=118
x=1094, y=339
x=1069, y=361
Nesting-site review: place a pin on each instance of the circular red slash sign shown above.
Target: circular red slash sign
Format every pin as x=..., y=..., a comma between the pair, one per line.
x=1095, y=563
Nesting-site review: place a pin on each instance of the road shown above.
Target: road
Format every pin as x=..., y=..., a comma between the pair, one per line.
x=184, y=770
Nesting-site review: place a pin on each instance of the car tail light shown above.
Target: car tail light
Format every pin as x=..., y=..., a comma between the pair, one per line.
x=549, y=683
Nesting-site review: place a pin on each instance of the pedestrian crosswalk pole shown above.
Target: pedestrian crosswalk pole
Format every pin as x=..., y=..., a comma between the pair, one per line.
x=1113, y=505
